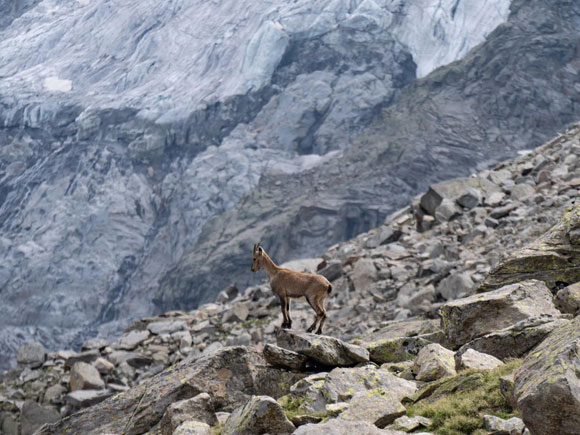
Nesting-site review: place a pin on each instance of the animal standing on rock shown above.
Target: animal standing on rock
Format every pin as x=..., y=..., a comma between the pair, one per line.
x=288, y=284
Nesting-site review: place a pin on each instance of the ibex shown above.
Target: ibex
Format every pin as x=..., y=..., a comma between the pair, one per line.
x=288, y=284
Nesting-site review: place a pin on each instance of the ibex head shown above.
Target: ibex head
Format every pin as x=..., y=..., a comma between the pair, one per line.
x=257, y=258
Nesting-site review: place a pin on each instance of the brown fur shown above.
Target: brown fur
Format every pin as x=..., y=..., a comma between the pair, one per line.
x=288, y=284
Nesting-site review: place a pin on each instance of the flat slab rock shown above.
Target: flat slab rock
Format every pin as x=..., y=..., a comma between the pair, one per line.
x=323, y=349
x=377, y=406
x=280, y=357
x=465, y=319
x=337, y=426
x=516, y=340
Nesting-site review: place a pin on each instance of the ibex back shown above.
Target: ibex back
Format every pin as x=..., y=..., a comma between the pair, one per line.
x=288, y=284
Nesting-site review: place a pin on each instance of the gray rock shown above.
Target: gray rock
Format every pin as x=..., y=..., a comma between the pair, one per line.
x=54, y=394
x=472, y=359
x=456, y=286
x=34, y=416
x=165, y=327
x=452, y=190
x=376, y=406
x=434, y=362
x=238, y=313
x=342, y=383
x=517, y=340
x=88, y=356
x=132, y=340
x=95, y=343
x=193, y=427
x=521, y=192
x=85, y=377
x=10, y=425
x=547, y=385
x=568, y=299
x=475, y=316
x=261, y=414
x=503, y=211
x=199, y=408
x=364, y=274
x=446, y=211
x=323, y=349
x=31, y=355
x=103, y=365
x=409, y=424
x=499, y=426
x=278, y=356
x=470, y=199
x=340, y=427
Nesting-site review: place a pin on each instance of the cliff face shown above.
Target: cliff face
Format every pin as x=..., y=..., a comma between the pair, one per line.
x=144, y=146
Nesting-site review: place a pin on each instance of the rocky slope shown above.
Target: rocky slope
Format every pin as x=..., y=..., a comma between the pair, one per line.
x=118, y=149
x=405, y=300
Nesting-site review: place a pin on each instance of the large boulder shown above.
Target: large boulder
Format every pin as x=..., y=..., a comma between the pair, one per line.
x=472, y=359
x=434, y=362
x=454, y=190
x=31, y=355
x=517, y=340
x=230, y=375
x=260, y=415
x=568, y=299
x=342, y=383
x=466, y=319
x=199, y=408
x=377, y=406
x=323, y=349
x=84, y=376
x=281, y=357
x=553, y=258
x=547, y=385
x=34, y=415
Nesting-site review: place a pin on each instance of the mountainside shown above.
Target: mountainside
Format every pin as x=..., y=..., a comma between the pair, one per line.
x=461, y=309
x=510, y=93
x=126, y=127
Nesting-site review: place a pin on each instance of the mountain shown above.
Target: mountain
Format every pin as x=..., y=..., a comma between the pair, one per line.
x=146, y=146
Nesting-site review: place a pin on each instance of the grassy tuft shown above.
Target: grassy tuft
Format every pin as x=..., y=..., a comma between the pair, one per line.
x=461, y=412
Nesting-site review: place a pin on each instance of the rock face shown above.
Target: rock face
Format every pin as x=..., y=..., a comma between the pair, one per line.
x=547, y=385
x=553, y=258
x=469, y=318
x=154, y=143
x=260, y=415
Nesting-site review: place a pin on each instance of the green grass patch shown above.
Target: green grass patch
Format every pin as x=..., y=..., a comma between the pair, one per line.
x=458, y=404
x=293, y=406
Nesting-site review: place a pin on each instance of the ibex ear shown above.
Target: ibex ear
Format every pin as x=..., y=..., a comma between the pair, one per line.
x=260, y=250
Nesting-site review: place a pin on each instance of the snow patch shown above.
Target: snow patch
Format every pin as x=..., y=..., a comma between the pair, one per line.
x=54, y=84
